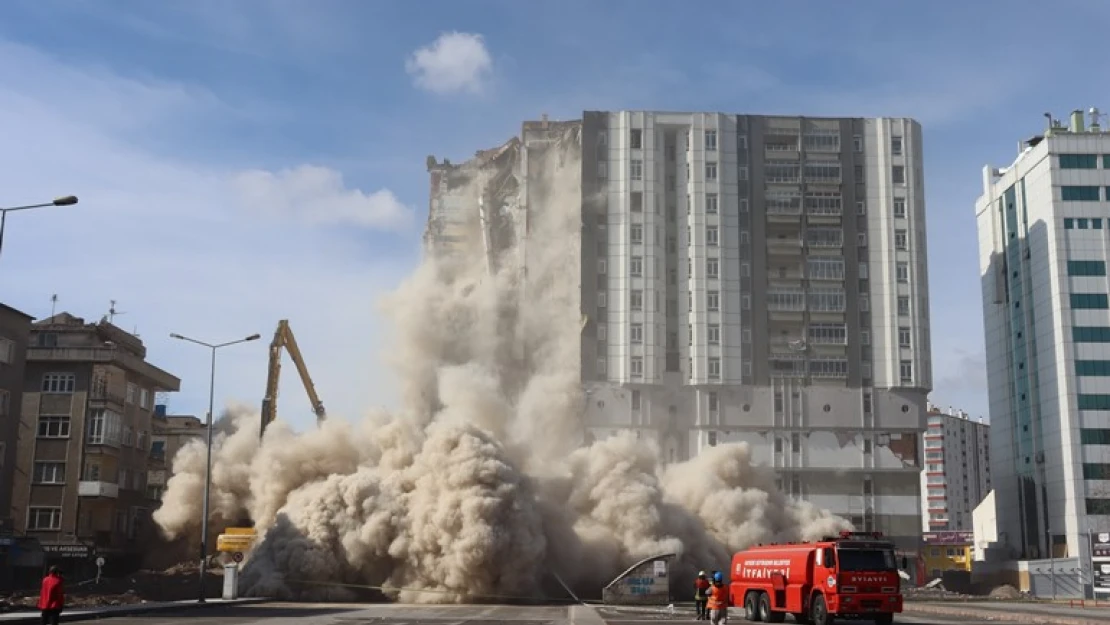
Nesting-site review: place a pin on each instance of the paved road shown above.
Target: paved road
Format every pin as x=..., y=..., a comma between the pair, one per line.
x=341, y=614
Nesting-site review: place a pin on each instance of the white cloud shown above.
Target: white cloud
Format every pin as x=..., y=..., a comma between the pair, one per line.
x=167, y=240
x=452, y=63
x=318, y=195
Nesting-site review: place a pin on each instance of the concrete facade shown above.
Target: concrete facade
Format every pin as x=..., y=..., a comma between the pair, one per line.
x=1043, y=251
x=15, y=332
x=759, y=279
x=87, y=422
x=170, y=434
x=957, y=475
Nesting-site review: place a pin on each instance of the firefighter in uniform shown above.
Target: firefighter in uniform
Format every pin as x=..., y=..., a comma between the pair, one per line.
x=718, y=600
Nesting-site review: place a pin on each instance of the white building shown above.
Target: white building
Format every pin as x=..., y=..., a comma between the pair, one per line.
x=1043, y=225
x=760, y=279
x=957, y=476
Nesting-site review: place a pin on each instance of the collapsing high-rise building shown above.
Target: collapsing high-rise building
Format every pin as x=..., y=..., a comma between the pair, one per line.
x=743, y=278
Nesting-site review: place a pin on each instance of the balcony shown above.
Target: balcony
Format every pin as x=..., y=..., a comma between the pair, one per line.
x=97, y=489
x=102, y=395
x=785, y=245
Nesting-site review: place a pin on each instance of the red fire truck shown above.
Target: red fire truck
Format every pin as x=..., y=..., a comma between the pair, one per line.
x=852, y=576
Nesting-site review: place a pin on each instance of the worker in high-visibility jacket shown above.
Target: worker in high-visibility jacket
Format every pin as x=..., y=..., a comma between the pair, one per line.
x=717, y=600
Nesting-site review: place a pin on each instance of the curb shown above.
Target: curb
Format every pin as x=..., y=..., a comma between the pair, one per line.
x=91, y=614
x=585, y=615
x=1034, y=618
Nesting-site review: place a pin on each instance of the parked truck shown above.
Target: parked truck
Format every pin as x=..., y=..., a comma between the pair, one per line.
x=850, y=576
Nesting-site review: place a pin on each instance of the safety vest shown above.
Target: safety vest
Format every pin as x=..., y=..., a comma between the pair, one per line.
x=718, y=598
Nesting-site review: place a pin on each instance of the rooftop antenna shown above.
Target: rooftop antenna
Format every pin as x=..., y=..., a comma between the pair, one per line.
x=112, y=312
x=53, y=304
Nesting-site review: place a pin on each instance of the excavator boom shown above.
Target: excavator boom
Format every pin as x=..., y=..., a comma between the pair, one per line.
x=285, y=341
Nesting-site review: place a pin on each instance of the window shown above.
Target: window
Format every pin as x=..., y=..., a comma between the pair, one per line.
x=900, y=207
x=49, y=473
x=128, y=436
x=711, y=236
x=636, y=202
x=710, y=140
x=132, y=392
x=861, y=207
x=712, y=268
x=636, y=299
x=863, y=271
x=602, y=266
x=864, y=303
x=53, y=427
x=637, y=366
x=711, y=438
x=601, y=365
x=746, y=335
x=636, y=400
x=7, y=351
x=44, y=519
x=602, y=170
x=1086, y=268
x=902, y=271
x=711, y=170
x=1078, y=161
x=898, y=174
x=1090, y=334
x=636, y=267
x=904, y=337
x=825, y=268
x=144, y=398
x=636, y=170
x=711, y=201
x=745, y=270
x=714, y=368
x=601, y=299
x=857, y=143
x=637, y=234
x=636, y=335
x=828, y=333
x=105, y=427
x=742, y=174
x=905, y=369
x=896, y=146
x=901, y=240
x=865, y=337
x=714, y=334
x=826, y=299
x=746, y=302
x=636, y=139
x=903, y=306
x=713, y=301
x=1079, y=194
x=1089, y=301
x=861, y=239
x=602, y=331
x=58, y=383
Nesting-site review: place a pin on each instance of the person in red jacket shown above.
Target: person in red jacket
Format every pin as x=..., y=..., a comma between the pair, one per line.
x=52, y=597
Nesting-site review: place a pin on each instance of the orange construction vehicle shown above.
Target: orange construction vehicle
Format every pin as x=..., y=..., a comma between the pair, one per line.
x=853, y=576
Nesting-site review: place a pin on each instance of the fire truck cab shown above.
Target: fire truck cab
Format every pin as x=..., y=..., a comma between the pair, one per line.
x=851, y=576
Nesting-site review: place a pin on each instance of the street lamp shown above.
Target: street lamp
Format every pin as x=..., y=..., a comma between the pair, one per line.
x=208, y=462
x=65, y=200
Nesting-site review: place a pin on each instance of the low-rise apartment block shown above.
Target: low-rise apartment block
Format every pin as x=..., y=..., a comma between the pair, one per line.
x=86, y=429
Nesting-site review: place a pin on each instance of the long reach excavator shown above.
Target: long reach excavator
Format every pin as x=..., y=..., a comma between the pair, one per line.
x=284, y=340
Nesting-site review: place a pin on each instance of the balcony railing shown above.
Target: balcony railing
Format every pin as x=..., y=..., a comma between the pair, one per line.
x=97, y=489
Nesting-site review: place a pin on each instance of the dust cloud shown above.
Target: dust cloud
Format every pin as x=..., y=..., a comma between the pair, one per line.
x=482, y=485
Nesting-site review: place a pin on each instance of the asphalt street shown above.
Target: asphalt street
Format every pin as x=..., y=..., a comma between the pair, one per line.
x=341, y=614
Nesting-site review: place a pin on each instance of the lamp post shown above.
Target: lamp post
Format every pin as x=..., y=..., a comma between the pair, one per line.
x=208, y=461
x=66, y=200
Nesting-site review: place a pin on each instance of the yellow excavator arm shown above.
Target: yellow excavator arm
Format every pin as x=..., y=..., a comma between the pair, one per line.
x=284, y=340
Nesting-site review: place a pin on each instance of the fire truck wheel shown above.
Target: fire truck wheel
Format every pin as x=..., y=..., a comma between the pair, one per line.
x=819, y=611
x=765, y=613
x=751, y=612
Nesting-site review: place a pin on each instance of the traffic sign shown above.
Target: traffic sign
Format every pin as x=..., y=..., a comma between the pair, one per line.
x=237, y=556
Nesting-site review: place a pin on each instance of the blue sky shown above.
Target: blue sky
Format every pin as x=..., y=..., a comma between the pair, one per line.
x=242, y=162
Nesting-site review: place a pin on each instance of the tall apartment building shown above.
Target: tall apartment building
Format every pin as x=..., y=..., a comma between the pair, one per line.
x=745, y=278
x=957, y=475
x=1043, y=224
x=15, y=332
x=85, y=432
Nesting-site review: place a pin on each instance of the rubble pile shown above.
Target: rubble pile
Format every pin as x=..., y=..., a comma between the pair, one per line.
x=174, y=584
